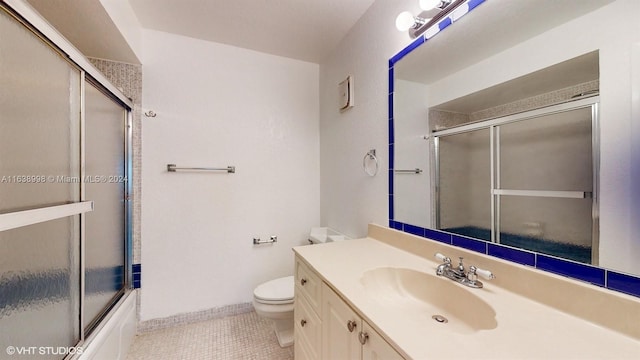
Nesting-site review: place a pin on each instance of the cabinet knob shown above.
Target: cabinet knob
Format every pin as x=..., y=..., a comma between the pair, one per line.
x=363, y=337
x=351, y=325
x=303, y=281
x=303, y=322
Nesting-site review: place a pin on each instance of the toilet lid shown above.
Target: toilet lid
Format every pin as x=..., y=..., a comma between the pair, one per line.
x=278, y=289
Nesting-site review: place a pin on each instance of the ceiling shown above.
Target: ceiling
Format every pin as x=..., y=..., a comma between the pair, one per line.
x=300, y=29
x=306, y=30
x=86, y=24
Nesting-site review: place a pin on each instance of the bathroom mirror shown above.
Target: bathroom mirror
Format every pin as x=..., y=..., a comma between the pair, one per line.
x=531, y=70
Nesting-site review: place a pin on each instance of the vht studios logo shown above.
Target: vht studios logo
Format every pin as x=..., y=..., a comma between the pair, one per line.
x=43, y=350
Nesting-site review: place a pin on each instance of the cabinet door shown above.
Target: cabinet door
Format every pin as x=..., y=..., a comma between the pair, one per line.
x=339, y=339
x=308, y=284
x=307, y=330
x=375, y=347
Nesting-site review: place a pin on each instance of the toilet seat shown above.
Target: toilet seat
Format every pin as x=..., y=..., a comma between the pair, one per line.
x=275, y=292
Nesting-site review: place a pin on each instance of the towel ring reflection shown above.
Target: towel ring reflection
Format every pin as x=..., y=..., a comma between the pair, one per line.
x=371, y=155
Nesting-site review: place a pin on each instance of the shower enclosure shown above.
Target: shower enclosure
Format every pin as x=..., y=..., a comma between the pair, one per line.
x=527, y=180
x=64, y=190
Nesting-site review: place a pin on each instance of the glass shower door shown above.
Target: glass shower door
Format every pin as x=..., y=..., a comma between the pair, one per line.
x=464, y=180
x=39, y=170
x=545, y=184
x=105, y=185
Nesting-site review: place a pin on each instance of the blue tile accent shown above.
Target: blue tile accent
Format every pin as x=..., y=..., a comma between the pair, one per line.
x=444, y=23
x=391, y=181
x=512, y=254
x=391, y=212
x=395, y=225
x=473, y=3
x=575, y=270
x=440, y=236
x=392, y=135
x=417, y=42
x=390, y=106
x=392, y=153
x=469, y=244
x=391, y=80
x=136, y=272
x=415, y=230
x=623, y=283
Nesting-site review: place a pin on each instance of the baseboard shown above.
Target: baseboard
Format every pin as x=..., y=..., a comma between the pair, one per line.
x=192, y=317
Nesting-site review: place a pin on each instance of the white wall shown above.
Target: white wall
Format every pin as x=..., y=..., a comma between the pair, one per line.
x=219, y=105
x=350, y=199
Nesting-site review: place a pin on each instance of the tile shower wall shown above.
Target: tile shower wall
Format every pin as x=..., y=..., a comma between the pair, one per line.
x=219, y=105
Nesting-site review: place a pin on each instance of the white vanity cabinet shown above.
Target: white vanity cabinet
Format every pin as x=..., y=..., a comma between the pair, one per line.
x=326, y=327
x=306, y=313
x=345, y=335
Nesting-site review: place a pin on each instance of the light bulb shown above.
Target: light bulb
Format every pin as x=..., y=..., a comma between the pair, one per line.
x=427, y=5
x=405, y=21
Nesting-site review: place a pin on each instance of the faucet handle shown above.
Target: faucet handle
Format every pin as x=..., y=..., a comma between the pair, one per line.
x=482, y=272
x=442, y=258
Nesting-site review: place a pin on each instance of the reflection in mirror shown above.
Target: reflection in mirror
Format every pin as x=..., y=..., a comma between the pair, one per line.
x=538, y=168
x=505, y=126
x=464, y=179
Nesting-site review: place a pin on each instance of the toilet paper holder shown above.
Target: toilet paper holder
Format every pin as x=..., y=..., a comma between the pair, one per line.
x=272, y=239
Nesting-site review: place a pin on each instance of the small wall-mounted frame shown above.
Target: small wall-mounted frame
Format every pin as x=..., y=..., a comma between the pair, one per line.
x=345, y=93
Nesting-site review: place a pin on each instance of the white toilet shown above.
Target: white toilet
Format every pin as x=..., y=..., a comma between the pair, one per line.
x=274, y=300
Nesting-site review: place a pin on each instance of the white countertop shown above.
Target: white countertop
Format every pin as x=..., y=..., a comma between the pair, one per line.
x=525, y=329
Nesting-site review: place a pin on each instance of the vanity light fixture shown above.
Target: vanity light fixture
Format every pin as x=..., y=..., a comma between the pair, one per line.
x=427, y=22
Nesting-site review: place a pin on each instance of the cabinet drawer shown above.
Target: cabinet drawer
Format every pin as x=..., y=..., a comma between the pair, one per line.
x=307, y=329
x=308, y=284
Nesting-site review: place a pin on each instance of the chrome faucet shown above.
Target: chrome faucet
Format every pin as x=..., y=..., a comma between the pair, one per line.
x=459, y=274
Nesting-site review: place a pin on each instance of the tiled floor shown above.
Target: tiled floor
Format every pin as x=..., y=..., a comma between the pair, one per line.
x=244, y=336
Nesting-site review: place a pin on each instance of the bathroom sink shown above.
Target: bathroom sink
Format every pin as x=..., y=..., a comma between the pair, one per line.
x=428, y=300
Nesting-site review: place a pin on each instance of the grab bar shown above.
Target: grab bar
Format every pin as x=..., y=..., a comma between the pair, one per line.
x=174, y=168
x=413, y=171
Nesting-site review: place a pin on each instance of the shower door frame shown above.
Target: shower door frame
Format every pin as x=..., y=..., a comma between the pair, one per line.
x=494, y=148
x=32, y=21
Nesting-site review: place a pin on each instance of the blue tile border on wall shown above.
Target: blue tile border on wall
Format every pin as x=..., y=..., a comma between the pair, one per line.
x=572, y=269
x=623, y=283
x=469, y=243
x=136, y=272
x=417, y=42
x=415, y=230
x=512, y=254
x=440, y=236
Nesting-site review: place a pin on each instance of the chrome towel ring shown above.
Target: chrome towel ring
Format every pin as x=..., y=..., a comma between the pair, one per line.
x=369, y=157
